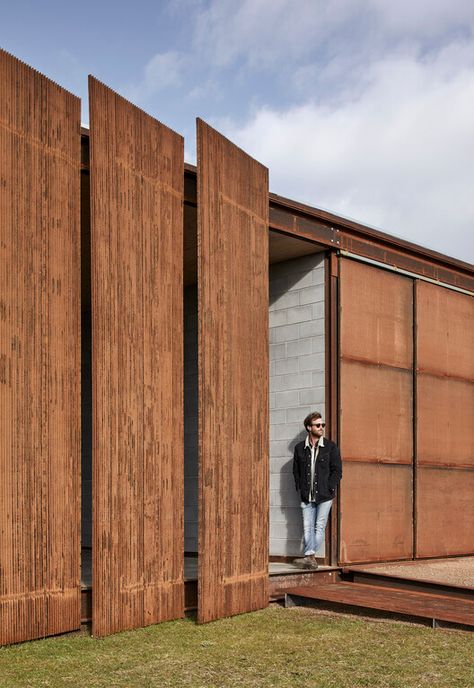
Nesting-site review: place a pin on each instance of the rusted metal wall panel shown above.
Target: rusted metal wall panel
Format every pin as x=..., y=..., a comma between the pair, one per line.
x=445, y=421
x=233, y=378
x=376, y=512
x=39, y=355
x=376, y=413
x=378, y=316
x=445, y=428
x=137, y=323
x=445, y=332
x=445, y=508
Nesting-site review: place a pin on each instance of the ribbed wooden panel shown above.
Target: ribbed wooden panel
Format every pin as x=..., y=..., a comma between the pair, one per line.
x=376, y=413
x=39, y=355
x=137, y=323
x=233, y=378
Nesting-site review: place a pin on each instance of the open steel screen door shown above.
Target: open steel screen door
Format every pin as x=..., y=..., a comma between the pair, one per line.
x=445, y=422
x=40, y=460
x=376, y=414
x=137, y=351
x=233, y=378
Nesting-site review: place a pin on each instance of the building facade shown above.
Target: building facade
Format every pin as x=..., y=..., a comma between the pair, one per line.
x=163, y=330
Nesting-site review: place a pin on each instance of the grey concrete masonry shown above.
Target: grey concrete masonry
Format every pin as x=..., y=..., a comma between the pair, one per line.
x=297, y=385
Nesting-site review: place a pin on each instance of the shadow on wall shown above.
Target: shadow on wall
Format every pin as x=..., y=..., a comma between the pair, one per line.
x=290, y=497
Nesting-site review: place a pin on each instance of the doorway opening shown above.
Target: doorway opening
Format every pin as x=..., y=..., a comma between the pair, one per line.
x=297, y=352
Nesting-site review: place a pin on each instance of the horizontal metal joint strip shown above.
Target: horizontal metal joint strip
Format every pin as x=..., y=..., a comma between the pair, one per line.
x=401, y=271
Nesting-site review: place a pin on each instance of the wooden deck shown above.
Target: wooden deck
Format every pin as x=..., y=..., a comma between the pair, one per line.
x=427, y=605
x=433, y=589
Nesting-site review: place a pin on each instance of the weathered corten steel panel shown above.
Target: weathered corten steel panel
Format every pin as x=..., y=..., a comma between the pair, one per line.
x=445, y=421
x=137, y=321
x=376, y=413
x=233, y=378
x=445, y=508
x=445, y=332
x=445, y=428
x=378, y=315
x=40, y=460
x=376, y=512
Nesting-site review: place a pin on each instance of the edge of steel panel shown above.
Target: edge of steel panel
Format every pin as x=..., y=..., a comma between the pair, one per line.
x=331, y=305
x=137, y=173
x=233, y=378
x=415, y=419
x=40, y=457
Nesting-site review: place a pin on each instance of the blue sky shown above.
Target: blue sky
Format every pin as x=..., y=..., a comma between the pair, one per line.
x=362, y=107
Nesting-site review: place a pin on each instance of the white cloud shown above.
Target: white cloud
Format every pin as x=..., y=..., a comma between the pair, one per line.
x=424, y=17
x=270, y=33
x=398, y=156
x=162, y=71
x=261, y=32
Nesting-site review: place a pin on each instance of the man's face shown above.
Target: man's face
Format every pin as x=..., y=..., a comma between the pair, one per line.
x=317, y=428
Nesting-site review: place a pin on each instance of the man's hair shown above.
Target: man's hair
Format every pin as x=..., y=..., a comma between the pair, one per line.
x=309, y=419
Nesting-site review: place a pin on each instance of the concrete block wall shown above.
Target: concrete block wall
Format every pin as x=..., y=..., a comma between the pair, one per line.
x=297, y=385
x=191, y=419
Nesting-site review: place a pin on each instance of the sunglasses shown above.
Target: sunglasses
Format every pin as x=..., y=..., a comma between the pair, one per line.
x=319, y=425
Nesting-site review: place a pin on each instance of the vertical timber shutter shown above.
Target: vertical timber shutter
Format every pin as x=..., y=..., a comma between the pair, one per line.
x=137, y=172
x=376, y=414
x=233, y=378
x=39, y=355
x=445, y=427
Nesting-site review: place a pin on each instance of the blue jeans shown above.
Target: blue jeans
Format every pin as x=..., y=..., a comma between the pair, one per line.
x=315, y=518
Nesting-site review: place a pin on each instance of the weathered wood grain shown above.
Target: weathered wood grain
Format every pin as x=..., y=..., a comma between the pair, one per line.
x=40, y=408
x=137, y=323
x=233, y=378
x=414, y=603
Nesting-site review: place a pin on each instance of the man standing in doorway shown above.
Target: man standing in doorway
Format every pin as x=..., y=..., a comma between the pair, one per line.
x=317, y=469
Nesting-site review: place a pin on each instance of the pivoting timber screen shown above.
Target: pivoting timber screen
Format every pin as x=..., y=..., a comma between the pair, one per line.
x=233, y=378
x=445, y=413
x=137, y=323
x=376, y=414
x=40, y=460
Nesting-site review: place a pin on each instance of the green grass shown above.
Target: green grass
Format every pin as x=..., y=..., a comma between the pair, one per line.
x=274, y=647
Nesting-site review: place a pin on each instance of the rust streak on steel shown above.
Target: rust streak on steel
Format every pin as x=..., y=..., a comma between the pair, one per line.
x=233, y=378
x=40, y=459
x=137, y=361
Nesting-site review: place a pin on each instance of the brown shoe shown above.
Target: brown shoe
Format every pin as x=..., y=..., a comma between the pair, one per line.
x=305, y=562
